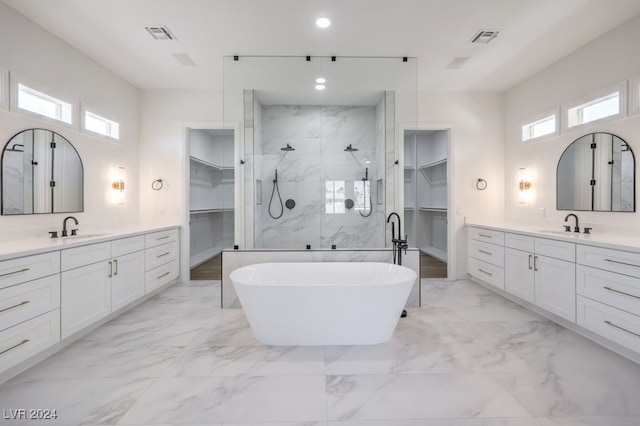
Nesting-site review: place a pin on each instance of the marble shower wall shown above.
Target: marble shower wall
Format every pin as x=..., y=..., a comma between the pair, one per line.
x=319, y=135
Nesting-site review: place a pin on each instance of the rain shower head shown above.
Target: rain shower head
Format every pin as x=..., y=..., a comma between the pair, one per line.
x=288, y=148
x=350, y=149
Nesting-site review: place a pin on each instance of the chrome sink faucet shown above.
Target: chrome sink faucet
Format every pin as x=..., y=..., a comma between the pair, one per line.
x=64, y=226
x=567, y=228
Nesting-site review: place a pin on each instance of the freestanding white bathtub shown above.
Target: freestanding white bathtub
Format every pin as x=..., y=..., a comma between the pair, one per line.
x=323, y=303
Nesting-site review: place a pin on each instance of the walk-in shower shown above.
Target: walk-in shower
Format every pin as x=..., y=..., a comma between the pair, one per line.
x=331, y=151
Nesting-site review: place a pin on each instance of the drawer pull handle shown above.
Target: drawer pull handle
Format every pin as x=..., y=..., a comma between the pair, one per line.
x=163, y=254
x=535, y=263
x=621, y=292
x=163, y=238
x=485, y=252
x=621, y=328
x=530, y=256
x=15, y=306
x=14, y=346
x=622, y=263
x=14, y=272
x=485, y=272
x=110, y=269
x=163, y=275
x=485, y=236
x=115, y=264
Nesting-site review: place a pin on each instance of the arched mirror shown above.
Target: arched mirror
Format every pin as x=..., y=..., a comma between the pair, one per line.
x=41, y=173
x=597, y=173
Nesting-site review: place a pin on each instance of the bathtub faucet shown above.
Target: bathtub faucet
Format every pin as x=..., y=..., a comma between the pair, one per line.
x=399, y=243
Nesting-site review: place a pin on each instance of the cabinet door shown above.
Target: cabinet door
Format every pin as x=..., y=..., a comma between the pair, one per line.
x=556, y=286
x=85, y=296
x=519, y=274
x=127, y=283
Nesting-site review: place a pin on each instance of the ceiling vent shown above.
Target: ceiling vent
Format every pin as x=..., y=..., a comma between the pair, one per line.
x=484, y=36
x=160, y=33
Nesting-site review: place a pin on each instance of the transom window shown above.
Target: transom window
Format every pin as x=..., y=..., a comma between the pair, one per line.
x=539, y=128
x=40, y=103
x=605, y=105
x=101, y=125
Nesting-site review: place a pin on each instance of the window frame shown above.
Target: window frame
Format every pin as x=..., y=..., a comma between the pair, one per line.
x=621, y=88
x=538, y=117
x=17, y=80
x=4, y=89
x=84, y=108
x=634, y=95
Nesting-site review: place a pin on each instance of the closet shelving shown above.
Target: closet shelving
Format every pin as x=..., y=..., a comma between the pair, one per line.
x=211, y=194
x=426, y=191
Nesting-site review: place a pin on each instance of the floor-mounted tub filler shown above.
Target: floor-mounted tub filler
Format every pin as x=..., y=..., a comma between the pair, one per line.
x=323, y=303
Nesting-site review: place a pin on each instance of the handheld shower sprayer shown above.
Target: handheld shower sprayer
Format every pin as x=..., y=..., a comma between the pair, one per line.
x=273, y=191
x=365, y=180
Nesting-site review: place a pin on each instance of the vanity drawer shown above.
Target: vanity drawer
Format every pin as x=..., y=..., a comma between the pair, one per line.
x=23, y=269
x=127, y=245
x=620, y=291
x=22, y=302
x=24, y=340
x=85, y=255
x=622, y=262
x=162, y=237
x=490, y=253
x=486, y=272
x=161, y=275
x=486, y=235
x=160, y=255
x=519, y=242
x=556, y=249
x=616, y=325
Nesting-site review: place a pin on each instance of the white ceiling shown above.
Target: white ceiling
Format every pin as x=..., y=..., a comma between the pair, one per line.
x=533, y=35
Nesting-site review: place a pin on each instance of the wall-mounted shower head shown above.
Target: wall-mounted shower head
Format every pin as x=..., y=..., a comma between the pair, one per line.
x=288, y=148
x=350, y=149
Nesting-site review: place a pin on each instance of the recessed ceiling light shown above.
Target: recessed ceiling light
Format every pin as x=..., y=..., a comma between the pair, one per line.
x=319, y=86
x=321, y=80
x=323, y=22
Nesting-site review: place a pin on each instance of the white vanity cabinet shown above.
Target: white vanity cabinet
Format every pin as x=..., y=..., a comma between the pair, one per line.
x=29, y=306
x=608, y=294
x=98, y=279
x=486, y=256
x=161, y=258
x=541, y=271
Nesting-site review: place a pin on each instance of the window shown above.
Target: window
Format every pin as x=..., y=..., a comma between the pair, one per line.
x=546, y=126
x=335, y=197
x=604, y=105
x=4, y=88
x=634, y=88
x=362, y=194
x=101, y=125
x=31, y=99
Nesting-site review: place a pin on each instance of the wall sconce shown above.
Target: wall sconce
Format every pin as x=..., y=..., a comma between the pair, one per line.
x=524, y=183
x=117, y=185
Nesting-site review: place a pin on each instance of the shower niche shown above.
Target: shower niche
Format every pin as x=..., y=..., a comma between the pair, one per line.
x=426, y=191
x=211, y=193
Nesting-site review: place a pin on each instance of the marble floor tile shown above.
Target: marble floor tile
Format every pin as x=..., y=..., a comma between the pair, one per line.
x=263, y=360
x=230, y=399
x=398, y=358
x=76, y=401
x=418, y=396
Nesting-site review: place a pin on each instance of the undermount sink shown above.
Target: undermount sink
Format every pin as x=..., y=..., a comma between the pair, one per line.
x=81, y=236
x=565, y=233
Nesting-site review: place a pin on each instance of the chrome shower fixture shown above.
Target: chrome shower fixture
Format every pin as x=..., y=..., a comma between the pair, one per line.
x=350, y=149
x=288, y=148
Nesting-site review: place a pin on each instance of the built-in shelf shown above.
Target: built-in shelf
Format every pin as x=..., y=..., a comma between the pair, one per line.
x=199, y=258
x=211, y=165
x=435, y=163
x=433, y=209
x=439, y=254
x=409, y=168
x=409, y=208
x=206, y=211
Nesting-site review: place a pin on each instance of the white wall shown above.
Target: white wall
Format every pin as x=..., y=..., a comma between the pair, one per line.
x=476, y=151
x=608, y=60
x=31, y=52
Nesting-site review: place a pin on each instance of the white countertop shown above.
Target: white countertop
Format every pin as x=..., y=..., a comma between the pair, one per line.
x=27, y=247
x=613, y=241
